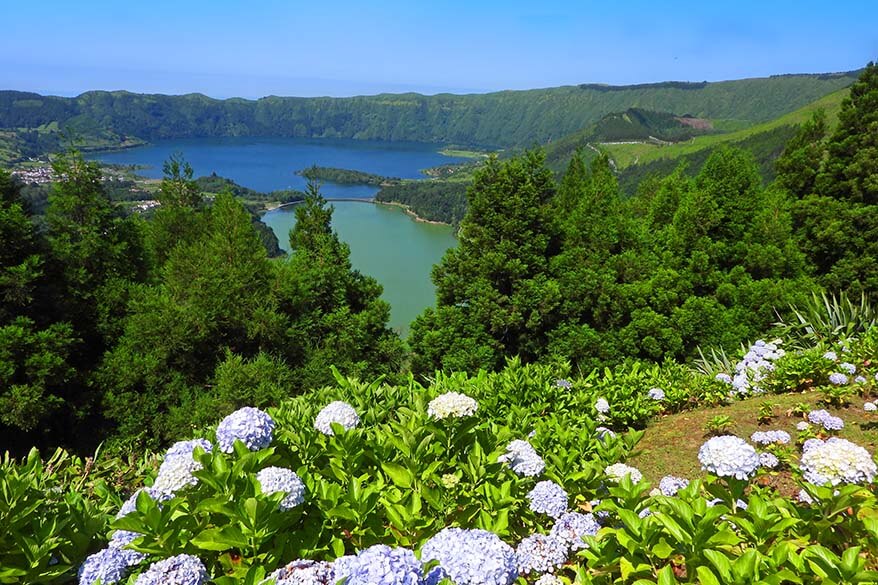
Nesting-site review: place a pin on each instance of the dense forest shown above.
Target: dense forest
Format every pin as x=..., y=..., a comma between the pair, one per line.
x=501, y=119
x=572, y=271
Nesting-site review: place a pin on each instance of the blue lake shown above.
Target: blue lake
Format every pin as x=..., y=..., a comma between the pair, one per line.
x=268, y=164
x=385, y=243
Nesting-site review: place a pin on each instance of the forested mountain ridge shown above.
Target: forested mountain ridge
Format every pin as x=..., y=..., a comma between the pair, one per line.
x=501, y=119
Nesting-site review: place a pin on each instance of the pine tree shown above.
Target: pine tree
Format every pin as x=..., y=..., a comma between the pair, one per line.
x=495, y=295
x=35, y=372
x=851, y=168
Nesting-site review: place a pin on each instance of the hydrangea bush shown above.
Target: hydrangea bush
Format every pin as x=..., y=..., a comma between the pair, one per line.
x=407, y=497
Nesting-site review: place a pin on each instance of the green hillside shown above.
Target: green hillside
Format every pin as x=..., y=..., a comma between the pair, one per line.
x=626, y=155
x=500, y=119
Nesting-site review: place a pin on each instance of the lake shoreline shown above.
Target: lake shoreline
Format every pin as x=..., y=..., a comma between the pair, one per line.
x=411, y=213
x=414, y=216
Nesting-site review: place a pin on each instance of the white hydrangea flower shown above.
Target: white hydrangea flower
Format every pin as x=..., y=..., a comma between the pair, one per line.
x=279, y=479
x=522, y=458
x=838, y=461
x=602, y=406
x=619, y=470
x=336, y=412
x=729, y=456
x=452, y=404
x=870, y=407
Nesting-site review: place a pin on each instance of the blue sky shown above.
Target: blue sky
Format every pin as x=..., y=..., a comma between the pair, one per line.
x=253, y=48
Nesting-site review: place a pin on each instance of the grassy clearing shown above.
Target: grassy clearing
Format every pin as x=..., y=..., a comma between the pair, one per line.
x=629, y=154
x=670, y=445
x=461, y=153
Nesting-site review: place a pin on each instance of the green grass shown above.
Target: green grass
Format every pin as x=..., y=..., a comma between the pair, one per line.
x=670, y=444
x=629, y=154
x=460, y=153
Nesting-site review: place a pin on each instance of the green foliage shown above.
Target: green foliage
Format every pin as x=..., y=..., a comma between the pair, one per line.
x=836, y=214
x=344, y=176
x=52, y=514
x=825, y=317
x=719, y=425
x=766, y=413
x=689, y=263
x=401, y=476
x=495, y=297
x=222, y=310
x=433, y=200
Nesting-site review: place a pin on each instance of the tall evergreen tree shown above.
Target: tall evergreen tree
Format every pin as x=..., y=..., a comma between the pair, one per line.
x=798, y=165
x=837, y=224
x=851, y=168
x=178, y=218
x=35, y=372
x=495, y=296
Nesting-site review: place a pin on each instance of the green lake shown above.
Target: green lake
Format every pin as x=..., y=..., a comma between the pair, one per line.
x=387, y=244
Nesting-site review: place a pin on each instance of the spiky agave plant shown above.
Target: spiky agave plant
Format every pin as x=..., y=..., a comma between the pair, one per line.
x=713, y=362
x=826, y=318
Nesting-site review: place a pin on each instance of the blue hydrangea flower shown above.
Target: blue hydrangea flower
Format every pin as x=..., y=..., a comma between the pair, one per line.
x=838, y=461
x=572, y=526
x=860, y=380
x=830, y=355
x=178, y=465
x=472, y=557
x=754, y=366
x=833, y=423
x=729, y=456
x=131, y=503
x=838, y=379
x=670, y=485
x=565, y=384
x=602, y=406
x=870, y=407
x=656, y=394
x=522, y=458
x=549, y=579
x=769, y=437
x=249, y=425
x=802, y=425
x=539, y=553
x=122, y=538
x=109, y=566
x=826, y=420
x=381, y=565
x=178, y=570
x=185, y=449
x=336, y=412
x=810, y=444
x=305, y=572
x=279, y=479
x=547, y=497
x=848, y=367
x=724, y=378
x=768, y=460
